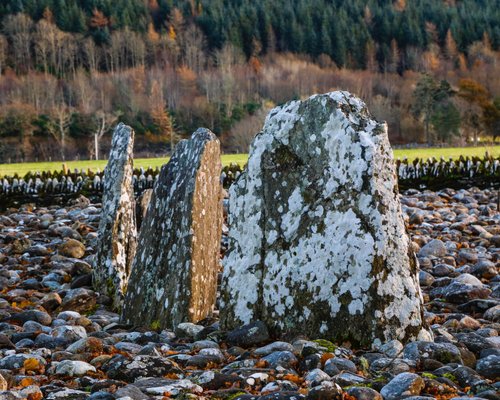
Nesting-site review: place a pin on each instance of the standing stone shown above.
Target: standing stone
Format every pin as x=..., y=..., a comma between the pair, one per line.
x=174, y=274
x=142, y=206
x=317, y=239
x=117, y=230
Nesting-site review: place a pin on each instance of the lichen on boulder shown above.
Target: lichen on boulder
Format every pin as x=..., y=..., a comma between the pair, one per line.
x=117, y=229
x=174, y=274
x=317, y=239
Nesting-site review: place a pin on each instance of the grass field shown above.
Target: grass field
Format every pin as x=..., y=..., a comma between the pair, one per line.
x=22, y=168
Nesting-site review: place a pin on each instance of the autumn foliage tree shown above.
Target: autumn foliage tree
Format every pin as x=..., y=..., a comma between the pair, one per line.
x=475, y=100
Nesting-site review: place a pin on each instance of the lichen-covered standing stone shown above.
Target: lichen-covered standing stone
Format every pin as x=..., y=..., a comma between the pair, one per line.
x=142, y=206
x=318, y=244
x=117, y=229
x=174, y=274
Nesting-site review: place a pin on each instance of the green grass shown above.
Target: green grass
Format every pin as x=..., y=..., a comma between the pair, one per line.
x=446, y=152
x=23, y=168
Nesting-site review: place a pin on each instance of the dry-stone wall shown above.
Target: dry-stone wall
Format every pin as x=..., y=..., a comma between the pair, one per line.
x=317, y=238
x=174, y=274
x=117, y=229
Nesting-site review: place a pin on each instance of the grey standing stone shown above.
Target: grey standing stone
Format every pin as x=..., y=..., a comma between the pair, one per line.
x=174, y=274
x=117, y=229
x=142, y=206
x=317, y=238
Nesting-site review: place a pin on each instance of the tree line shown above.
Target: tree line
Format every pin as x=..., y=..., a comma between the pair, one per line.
x=70, y=69
x=354, y=34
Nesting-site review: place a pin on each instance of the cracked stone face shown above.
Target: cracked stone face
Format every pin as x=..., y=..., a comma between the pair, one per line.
x=317, y=239
x=174, y=274
x=117, y=229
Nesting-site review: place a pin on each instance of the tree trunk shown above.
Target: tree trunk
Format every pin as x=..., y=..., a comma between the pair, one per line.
x=96, y=146
x=427, y=132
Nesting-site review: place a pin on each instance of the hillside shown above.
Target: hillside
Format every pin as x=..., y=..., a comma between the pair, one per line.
x=70, y=69
x=346, y=31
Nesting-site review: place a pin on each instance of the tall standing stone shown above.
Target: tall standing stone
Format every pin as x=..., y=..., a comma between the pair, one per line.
x=174, y=274
x=117, y=229
x=317, y=240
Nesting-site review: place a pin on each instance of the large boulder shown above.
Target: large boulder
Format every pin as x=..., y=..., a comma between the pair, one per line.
x=117, y=229
x=174, y=274
x=317, y=238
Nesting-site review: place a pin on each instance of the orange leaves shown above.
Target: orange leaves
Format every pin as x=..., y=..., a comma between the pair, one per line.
x=33, y=365
x=261, y=364
x=26, y=382
x=98, y=19
x=153, y=36
x=22, y=304
x=186, y=74
x=94, y=345
x=325, y=357
x=294, y=378
x=255, y=64
x=171, y=33
x=35, y=396
x=400, y=5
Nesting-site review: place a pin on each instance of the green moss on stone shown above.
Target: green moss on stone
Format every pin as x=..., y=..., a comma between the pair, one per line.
x=329, y=346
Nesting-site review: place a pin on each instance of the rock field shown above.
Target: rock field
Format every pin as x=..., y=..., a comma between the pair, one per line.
x=59, y=339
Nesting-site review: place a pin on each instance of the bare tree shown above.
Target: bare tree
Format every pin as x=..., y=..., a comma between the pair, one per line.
x=104, y=122
x=91, y=55
x=45, y=37
x=226, y=60
x=101, y=107
x=60, y=118
x=193, y=42
x=18, y=29
x=3, y=51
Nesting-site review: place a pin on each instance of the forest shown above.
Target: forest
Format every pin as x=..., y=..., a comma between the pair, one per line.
x=69, y=69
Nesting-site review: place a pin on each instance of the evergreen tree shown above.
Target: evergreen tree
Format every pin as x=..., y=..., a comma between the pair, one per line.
x=428, y=95
x=445, y=120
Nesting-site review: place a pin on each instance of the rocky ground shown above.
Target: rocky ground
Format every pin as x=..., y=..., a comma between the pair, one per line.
x=59, y=340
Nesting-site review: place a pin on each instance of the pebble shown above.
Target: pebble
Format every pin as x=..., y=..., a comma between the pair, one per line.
x=72, y=248
x=73, y=368
x=55, y=328
x=248, y=335
x=434, y=248
x=403, y=385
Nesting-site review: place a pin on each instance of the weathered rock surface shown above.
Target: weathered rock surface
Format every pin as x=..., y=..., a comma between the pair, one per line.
x=462, y=363
x=117, y=229
x=142, y=206
x=318, y=242
x=174, y=275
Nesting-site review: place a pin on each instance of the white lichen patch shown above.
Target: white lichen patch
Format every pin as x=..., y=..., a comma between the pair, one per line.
x=317, y=237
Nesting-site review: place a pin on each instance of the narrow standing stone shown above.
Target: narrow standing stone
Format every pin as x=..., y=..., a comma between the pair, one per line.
x=142, y=206
x=174, y=274
x=117, y=229
x=317, y=240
